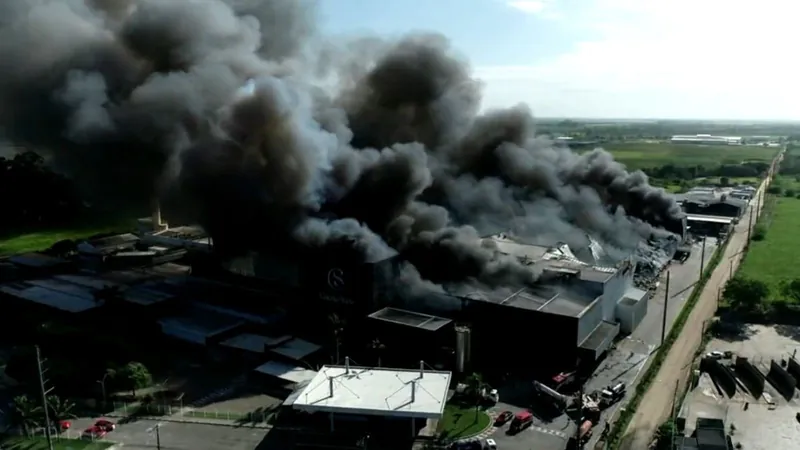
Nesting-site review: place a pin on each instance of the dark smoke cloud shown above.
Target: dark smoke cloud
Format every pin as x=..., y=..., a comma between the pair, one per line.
x=277, y=138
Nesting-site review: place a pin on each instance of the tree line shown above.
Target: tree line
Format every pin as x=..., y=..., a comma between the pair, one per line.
x=34, y=195
x=681, y=173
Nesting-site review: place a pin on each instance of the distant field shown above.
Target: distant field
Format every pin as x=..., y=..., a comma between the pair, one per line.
x=40, y=240
x=774, y=260
x=640, y=155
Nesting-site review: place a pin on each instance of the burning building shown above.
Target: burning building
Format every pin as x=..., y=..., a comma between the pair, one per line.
x=324, y=177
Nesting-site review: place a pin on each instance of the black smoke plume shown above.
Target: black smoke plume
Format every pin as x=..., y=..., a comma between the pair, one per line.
x=275, y=137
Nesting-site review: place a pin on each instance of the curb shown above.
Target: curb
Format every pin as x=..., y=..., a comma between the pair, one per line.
x=202, y=422
x=483, y=434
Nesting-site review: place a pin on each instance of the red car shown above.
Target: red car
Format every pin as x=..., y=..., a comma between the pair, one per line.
x=503, y=418
x=93, y=433
x=64, y=425
x=105, y=425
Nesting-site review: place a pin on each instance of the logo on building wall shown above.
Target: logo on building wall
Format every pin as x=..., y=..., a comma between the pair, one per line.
x=336, y=279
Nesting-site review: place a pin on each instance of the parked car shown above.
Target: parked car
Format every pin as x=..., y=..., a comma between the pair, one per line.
x=491, y=444
x=93, y=433
x=105, y=425
x=716, y=354
x=503, y=418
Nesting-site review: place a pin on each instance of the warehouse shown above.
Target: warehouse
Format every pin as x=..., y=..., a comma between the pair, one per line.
x=403, y=337
x=576, y=312
x=389, y=397
x=724, y=206
x=713, y=226
x=706, y=139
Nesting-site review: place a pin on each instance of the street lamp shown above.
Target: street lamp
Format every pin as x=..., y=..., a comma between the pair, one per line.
x=102, y=383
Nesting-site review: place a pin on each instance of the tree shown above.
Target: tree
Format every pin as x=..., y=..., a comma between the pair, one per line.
x=745, y=294
x=475, y=385
x=759, y=232
x=792, y=289
x=377, y=346
x=336, y=324
x=26, y=414
x=60, y=409
x=724, y=181
x=134, y=376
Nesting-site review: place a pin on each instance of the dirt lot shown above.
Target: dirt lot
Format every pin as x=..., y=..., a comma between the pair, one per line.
x=759, y=426
x=657, y=402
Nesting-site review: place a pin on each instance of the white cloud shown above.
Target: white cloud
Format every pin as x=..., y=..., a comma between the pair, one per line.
x=528, y=6
x=698, y=58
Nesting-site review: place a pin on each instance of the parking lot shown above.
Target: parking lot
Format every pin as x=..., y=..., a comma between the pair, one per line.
x=759, y=422
x=178, y=436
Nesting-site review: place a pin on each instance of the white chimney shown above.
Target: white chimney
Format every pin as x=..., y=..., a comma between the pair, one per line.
x=347, y=365
x=421, y=368
x=155, y=217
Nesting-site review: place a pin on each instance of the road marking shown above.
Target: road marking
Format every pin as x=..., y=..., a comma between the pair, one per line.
x=548, y=431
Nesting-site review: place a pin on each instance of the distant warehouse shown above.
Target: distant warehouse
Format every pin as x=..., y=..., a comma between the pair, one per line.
x=706, y=139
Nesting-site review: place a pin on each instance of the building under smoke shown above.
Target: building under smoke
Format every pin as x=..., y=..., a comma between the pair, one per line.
x=355, y=175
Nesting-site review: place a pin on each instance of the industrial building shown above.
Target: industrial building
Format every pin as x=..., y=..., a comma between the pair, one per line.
x=578, y=312
x=709, y=434
x=706, y=139
x=712, y=211
x=723, y=206
x=387, y=397
x=259, y=309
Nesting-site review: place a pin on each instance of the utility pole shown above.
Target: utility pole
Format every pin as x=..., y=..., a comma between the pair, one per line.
x=702, y=260
x=44, y=391
x=664, y=316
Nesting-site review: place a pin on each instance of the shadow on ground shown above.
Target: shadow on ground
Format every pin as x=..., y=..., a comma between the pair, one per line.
x=731, y=331
x=790, y=331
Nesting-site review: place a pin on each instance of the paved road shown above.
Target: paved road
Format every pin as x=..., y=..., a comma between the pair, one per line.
x=549, y=435
x=657, y=402
x=683, y=277
x=181, y=436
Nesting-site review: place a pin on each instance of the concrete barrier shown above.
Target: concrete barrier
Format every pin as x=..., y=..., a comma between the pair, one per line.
x=794, y=369
x=780, y=378
x=751, y=377
x=722, y=376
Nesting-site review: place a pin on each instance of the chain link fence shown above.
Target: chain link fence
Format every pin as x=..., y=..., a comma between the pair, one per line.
x=125, y=409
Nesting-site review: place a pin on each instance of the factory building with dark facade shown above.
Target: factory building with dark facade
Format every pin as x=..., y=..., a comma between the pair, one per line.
x=570, y=319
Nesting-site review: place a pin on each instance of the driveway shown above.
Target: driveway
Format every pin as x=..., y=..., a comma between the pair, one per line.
x=179, y=436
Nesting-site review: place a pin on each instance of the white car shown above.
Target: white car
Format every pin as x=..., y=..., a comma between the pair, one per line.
x=491, y=444
x=716, y=354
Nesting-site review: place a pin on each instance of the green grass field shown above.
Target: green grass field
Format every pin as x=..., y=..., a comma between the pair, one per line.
x=43, y=239
x=774, y=260
x=459, y=422
x=641, y=154
x=39, y=443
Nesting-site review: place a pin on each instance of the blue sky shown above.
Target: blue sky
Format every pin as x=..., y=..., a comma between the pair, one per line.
x=710, y=59
x=490, y=32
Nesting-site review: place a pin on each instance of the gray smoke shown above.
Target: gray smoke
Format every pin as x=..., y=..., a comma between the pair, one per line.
x=277, y=138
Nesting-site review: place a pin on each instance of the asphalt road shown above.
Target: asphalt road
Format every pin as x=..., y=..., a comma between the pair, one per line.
x=657, y=402
x=541, y=435
x=139, y=435
x=683, y=277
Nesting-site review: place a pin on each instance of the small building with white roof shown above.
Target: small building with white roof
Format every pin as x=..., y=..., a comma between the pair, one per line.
x=393, y=394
